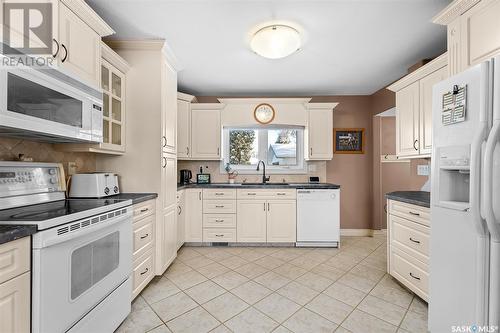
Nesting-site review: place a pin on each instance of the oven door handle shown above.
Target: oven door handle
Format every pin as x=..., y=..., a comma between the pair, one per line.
x=46, y=238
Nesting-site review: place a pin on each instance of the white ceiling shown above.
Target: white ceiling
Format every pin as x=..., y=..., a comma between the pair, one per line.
x=351, y=46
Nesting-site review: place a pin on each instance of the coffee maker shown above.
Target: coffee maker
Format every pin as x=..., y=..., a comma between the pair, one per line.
x=185, y=176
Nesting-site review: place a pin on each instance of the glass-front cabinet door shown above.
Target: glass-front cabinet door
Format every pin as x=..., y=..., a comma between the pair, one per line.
x=113, y=84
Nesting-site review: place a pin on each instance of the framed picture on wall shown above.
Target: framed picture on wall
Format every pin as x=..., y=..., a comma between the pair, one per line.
x=349, y=140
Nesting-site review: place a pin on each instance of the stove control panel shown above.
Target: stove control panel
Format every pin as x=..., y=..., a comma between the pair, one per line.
x=19, y=178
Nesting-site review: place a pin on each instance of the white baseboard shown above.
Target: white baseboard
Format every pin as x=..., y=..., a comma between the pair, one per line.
x=362, y=232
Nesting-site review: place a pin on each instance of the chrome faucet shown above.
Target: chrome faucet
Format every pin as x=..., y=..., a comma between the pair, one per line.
x=264, y=178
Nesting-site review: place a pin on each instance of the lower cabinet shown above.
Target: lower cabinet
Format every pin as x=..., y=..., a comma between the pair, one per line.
x=168, y=238
x=193, y=215
x=272, y=221
x=143, y=268
x=251, y=221
x=242, y=216
x=181, y=219
x=408, y=246
x=15, y=286
x=281, y=221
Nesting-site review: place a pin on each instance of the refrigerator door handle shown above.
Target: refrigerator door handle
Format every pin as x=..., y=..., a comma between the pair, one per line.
x=493, y=225
x=491, y=219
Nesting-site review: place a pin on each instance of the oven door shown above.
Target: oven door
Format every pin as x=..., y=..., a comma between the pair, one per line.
x=33, y=103
x=73, y=275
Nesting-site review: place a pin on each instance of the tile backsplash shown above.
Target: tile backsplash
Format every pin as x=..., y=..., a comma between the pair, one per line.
x=213, y=168
x=11, y=148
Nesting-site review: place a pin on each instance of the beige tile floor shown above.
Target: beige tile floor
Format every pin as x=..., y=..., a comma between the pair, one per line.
x=272, y=289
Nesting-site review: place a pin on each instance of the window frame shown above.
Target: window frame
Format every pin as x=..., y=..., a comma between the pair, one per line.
x=300, y=168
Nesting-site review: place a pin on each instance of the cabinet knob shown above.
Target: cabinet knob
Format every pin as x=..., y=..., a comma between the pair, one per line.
x=415, y=144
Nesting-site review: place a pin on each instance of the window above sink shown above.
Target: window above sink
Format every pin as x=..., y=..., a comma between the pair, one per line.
x=282, y=148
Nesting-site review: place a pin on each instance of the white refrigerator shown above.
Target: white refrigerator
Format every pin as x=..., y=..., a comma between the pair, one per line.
x=465, y=202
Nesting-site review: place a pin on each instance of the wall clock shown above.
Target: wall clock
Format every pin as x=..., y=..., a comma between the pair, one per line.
x=264, y=113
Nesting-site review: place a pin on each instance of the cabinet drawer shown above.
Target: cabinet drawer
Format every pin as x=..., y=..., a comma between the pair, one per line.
x=143, y=235
x=144, y=209
x=219, y=206
x=411, y=212
x=411, y=237
x=143, y=272
x=219, y=220
x=267, y=194
x=219, y=235
x=15, y=258
x=410, y=272
x=219, y=193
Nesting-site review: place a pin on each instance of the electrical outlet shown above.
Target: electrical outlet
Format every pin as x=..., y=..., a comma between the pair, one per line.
x=72, y=167
x=423, y=170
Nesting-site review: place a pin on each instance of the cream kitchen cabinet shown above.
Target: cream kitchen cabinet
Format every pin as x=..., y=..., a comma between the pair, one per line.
x=169, y=108
x=144, y=240
x=414, y=109
x=206, y=132
x=147, y=166
x=251, y=221
x=319, y=131
x=408, y=231
x=193, y=217
x=15, y=286
x=473, y=32
x=181, y=219
x=407, y=120
x=113, y=82
x=80, y=46
x=281, y=221
x=199, y=129
x=266, y=216
x=425, y=114
x=167, y=228
x=184, y=125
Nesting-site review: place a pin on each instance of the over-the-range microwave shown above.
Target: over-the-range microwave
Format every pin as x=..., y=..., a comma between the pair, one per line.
x=49, y=105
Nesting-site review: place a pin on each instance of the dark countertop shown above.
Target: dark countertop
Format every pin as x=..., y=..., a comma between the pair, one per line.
x=9, y=233
x=419, y=198
x=135, y=197
x=318, y=186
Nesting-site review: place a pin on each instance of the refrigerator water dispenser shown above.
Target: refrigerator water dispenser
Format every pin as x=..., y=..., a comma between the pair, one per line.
x=454, y=173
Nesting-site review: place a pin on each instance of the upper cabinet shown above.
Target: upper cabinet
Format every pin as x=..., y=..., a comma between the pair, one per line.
x=80, y=46
x=77, y=40
x=184, y=125
x=199, y=130
x=112, y=82
x=169, y=108
x=414, y=108
x=473, y=32
x=319, y=131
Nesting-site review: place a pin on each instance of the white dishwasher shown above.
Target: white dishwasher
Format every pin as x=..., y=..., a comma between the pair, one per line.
x=318, y=217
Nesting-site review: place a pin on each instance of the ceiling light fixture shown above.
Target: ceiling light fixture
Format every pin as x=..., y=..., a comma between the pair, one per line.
x=276, y=41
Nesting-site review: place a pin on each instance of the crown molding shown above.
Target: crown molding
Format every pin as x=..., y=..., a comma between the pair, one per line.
x=264, y=100
x=321, y=106
x=114, y=58
x=207, y=106
x=136, y=44
x=418, y=74
x=186, y=97
x=89, y=16
x=453, y=10
x=147, y=45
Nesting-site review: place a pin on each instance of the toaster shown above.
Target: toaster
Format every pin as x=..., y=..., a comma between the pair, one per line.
x=93, y=185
